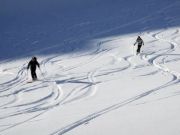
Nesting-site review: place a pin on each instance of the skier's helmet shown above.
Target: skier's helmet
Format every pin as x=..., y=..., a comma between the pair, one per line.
x=139, y=38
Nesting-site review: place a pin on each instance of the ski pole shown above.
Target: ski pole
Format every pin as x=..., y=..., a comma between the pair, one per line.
x=27, y=74
x=41, y=72
x=133, y=50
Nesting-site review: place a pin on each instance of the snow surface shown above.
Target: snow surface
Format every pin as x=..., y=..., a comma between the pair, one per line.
x=90, y=82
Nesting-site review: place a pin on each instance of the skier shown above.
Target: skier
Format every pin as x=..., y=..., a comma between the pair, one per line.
x=140, y=42
x=32, y=64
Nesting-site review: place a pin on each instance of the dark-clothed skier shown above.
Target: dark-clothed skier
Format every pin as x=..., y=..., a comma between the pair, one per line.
x=140, y=42
x=32, y=65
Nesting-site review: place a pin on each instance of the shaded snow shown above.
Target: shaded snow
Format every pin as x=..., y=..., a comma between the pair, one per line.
x=90, y=81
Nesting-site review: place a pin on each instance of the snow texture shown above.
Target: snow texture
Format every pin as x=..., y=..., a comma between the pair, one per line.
x=90, y=81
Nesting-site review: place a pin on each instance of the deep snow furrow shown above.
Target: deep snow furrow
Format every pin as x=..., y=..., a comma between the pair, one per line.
x=109, y=109
x=98, y=52
x=109, y=71
x=8, y=88
x=18, y=80
x=152, y=61
x=91, y=77
x=55, y=100
x=34, y=106
x=86, y=91
x=22, y=122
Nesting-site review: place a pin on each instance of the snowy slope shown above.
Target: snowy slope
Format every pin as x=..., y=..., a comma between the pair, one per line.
x=90, y=82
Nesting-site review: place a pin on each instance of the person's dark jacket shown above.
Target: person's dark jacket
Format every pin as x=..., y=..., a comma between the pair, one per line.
x=32, y=64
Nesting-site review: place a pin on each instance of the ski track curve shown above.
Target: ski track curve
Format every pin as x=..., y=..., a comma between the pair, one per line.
x=92, y=116
x=151, y=61
x=162, y=67
x=56, y=98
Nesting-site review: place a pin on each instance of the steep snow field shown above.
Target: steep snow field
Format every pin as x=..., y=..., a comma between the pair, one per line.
x=90, y=82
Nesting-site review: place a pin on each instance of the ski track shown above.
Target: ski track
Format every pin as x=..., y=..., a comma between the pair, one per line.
x=106, y=110
x=152, y=61
x=16, y=87
x=49, y=101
